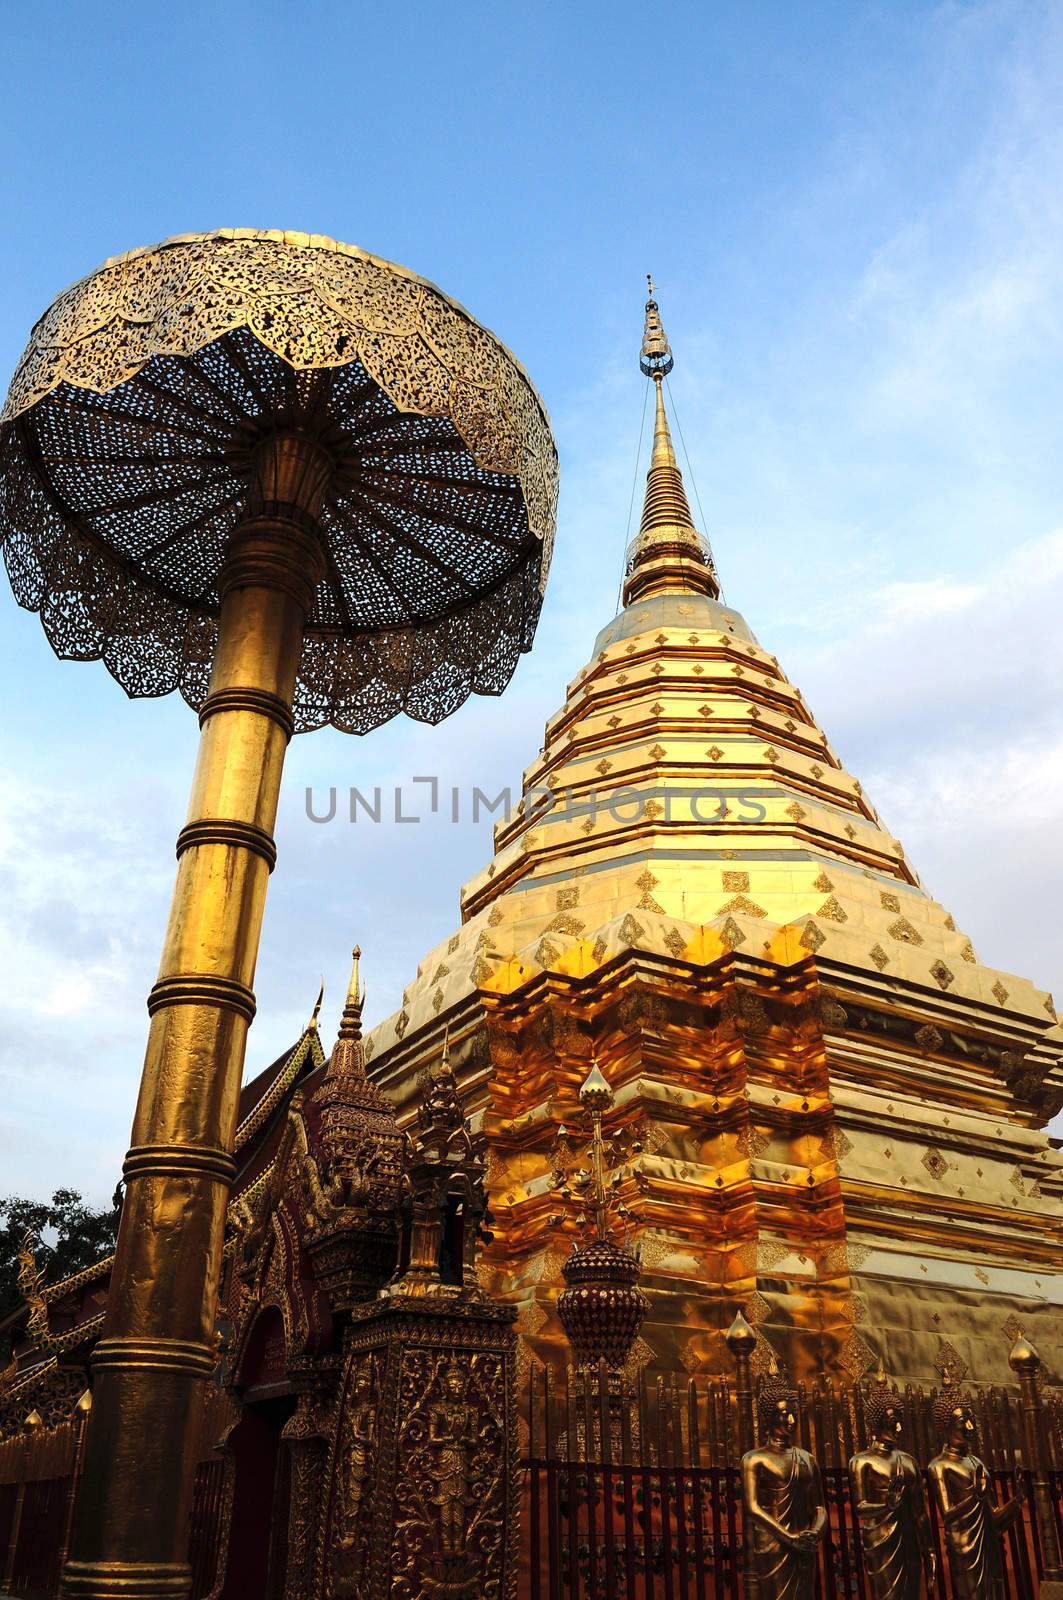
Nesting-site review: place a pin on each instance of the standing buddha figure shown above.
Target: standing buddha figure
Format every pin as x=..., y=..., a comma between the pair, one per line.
x=891, y=1506
x=451, y=1430
x=972, y=1520
x=785, y=1513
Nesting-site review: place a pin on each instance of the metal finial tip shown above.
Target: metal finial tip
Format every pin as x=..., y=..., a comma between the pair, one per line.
x=595, y=1092
x=880, y=1371
x=84, y=1404
x=655, y=358
x=316, y=1013
x=740, y=1338
x=33, y=1419
x=1023, y=1355
x=353, y=989
x=351, y=1020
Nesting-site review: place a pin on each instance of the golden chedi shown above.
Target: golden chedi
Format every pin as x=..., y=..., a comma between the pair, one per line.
x=840, y=1109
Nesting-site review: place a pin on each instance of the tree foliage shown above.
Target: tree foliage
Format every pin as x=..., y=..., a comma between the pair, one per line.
x=67, y=1233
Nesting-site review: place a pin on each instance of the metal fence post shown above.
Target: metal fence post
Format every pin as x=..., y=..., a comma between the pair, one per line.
x=1026, y=1364
x=742, y=1341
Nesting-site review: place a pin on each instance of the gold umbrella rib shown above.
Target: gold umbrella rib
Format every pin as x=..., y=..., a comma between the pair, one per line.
x=403, y=535
x=450, y=519
x=158, y=497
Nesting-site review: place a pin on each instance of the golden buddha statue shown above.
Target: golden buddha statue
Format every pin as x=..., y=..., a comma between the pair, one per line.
x=891, y=1506
x=785, y=1513
x=972, y=1521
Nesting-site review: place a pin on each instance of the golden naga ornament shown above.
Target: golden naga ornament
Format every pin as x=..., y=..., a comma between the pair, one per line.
x=127, y=462
x=890, y=1504
x=972, y=1521
x=783, y=1497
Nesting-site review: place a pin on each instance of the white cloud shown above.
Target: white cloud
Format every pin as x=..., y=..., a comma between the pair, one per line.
x=945, y=699
x=915, y=601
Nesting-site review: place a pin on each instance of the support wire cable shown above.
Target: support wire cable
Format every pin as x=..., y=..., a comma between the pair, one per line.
x=631, y=502
x=703, y=525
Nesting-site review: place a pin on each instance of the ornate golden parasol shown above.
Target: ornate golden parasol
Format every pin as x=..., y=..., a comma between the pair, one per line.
x=129, y=438
x=303, y=486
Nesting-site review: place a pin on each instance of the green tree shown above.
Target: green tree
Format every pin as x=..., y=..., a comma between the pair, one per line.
x=68, y=1235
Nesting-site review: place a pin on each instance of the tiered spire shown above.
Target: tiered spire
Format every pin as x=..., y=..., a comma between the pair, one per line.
x=351, y=1020
x=669, y=553
x=347, y=1058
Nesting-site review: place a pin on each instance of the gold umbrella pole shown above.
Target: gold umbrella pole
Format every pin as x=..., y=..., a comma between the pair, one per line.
x=131, y=1530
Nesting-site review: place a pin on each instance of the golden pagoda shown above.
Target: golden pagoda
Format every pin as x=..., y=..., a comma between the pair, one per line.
x=836, y=1111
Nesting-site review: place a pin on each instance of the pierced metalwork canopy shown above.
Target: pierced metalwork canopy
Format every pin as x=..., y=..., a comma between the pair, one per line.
x=125, y=450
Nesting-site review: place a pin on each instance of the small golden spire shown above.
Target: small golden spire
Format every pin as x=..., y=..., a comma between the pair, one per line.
x=669, y=553
x=348, y=1056
x=351, y=1020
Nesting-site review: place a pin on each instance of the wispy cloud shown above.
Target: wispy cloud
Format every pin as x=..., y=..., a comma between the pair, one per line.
x=944, y=696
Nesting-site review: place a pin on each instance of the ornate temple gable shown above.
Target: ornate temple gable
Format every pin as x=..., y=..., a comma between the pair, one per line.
x=61, y=1321
x=320, y=1232
x=280, y=1083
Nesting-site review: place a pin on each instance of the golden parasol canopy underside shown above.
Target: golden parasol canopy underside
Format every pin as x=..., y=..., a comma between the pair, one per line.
x=125, y=450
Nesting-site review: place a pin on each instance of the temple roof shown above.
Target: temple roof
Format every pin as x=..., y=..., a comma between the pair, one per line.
x=686, y=802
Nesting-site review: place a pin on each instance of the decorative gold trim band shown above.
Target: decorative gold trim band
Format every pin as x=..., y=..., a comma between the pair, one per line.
x=178, y=1161
x=282, y=516
x=221, y=830
x=260, y=700
x=126, y=1580
x=167, y=1355
x=202, y=989
x=277, y=547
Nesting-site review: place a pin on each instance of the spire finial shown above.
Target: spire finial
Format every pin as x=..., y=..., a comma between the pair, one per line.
x=656, y=357
x=351, y=1021
x=668, y=553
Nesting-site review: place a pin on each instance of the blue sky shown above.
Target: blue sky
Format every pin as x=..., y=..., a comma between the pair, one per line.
x=854, y=214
